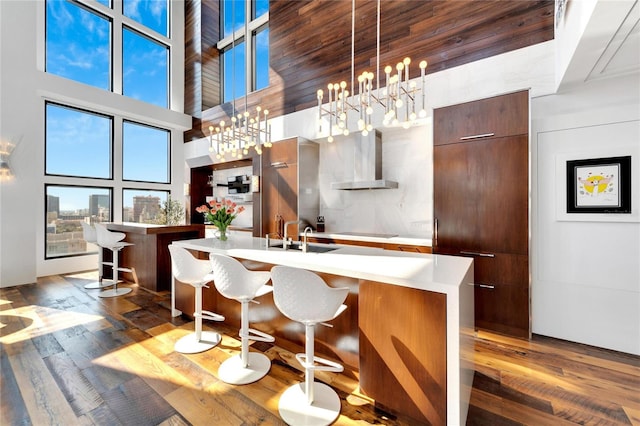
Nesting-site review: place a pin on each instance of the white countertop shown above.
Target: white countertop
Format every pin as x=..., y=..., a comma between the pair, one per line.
x=439, y=273
x=371, y=238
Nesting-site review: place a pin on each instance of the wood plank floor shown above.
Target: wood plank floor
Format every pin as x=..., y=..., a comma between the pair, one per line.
x=68, y=357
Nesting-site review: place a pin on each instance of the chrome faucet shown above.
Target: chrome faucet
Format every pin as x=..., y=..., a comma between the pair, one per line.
x=304, y=238
x=287, y=241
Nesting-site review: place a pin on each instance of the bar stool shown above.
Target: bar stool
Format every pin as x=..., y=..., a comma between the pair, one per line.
x=304, y=297
x=90, y=236
x=236, y=282
x=112, y=240
x=196, y=272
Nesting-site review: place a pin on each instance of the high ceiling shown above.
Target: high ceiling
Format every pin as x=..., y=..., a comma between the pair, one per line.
x=311, y=41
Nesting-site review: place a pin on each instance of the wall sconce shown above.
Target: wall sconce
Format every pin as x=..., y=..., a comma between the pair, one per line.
x=6, y=148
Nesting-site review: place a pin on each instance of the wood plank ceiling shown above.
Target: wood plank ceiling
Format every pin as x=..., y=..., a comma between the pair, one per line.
x=310, y=45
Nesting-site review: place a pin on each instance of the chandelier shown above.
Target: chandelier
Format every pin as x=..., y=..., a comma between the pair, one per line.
x=242, y=134
x=397, y=99
x=244, y=131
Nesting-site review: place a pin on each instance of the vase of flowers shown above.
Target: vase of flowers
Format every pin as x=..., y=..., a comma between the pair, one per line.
x=221, y=214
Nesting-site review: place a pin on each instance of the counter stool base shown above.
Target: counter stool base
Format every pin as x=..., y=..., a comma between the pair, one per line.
x=115, y=292
x=231, y=371
x=190, y=345
x=96, y=285
x=295, y=410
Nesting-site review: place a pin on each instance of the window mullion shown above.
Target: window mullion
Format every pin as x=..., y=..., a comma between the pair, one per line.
x=117, y=55
x=248, y=53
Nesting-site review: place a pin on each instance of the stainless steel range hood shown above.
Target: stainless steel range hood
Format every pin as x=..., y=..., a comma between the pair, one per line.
x=367, y=173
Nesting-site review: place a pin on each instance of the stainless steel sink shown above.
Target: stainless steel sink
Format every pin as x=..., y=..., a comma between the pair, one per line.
x=310, y=248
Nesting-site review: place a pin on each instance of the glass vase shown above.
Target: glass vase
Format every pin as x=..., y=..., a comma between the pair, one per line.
x=222, y=234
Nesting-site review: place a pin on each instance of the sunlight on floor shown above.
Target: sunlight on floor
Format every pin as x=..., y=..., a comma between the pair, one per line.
x=27, y=322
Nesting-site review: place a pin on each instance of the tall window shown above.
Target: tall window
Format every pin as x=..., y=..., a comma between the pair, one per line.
x=79, y=146
x=79, y=46
x=244, y=26
x=92, y=153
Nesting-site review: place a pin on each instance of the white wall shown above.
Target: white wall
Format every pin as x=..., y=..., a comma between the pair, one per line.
x=586, y=268
x=24, y=88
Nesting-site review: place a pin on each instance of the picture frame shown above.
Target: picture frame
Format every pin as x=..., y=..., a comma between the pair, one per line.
x=599, y=185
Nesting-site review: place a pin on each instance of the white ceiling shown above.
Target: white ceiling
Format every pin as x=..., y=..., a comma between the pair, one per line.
x=610, y=44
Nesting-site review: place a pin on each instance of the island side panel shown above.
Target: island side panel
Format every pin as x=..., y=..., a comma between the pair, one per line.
x=403, y=350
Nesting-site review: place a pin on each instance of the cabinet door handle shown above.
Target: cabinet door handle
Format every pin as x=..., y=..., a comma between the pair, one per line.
x=476, y=253
x=484, y=135
x=279, y=164
x=487, y=286
x=435, y=232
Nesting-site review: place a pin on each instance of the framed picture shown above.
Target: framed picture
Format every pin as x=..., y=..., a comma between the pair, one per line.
x=601, y=185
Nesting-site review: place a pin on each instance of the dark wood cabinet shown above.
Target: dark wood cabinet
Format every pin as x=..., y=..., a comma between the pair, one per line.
x=495, y=117
x=481, y=208
x=289, y=187
x=279, y=187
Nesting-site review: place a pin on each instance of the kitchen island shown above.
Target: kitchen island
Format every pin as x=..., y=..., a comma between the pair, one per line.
x=149, y=256
x=409, y=318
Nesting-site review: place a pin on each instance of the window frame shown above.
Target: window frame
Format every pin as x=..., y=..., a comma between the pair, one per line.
x=47, y=185
x=246, y=33
x=87, y=111
x=149, y=37
x=169, y=151
x=96, y=11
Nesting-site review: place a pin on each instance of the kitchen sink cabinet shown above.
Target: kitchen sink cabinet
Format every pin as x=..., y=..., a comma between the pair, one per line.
x=481, y=210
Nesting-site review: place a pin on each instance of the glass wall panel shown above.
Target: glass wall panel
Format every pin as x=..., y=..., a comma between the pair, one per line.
x=145, y=153
x=150, y=13
x=78, y=143
x=233, y=65
x=261, y=71
x=145, y=69
x=232, y=16
x=143, y=206
x=78, y=44
x=66, y=208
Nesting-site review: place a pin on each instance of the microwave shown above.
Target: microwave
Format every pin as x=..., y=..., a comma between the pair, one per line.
x=238, y=184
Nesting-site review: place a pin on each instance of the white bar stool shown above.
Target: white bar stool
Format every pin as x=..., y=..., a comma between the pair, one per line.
x=89, y=234
x=236, y=282
x=112, y=241
x=196, y=272
x=304, y=297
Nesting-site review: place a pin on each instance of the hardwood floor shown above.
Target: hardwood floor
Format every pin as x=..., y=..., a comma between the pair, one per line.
x=69, y=357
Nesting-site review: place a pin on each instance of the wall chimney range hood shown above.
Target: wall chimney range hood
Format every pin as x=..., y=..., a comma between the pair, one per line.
x=367, y=173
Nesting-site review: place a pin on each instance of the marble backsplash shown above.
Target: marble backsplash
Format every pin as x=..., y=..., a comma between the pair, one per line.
x=407, y=158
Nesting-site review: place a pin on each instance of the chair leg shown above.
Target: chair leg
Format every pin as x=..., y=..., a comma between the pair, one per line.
x=115, y=291
x=309, y=371
x=244, y=332
x=198, y=313
x=247, y=367
x=198, y=341
x=100, y=283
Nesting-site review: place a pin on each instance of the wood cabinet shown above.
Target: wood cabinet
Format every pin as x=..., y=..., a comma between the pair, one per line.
x=289, y=187
x=481, y=208
x=279, y=186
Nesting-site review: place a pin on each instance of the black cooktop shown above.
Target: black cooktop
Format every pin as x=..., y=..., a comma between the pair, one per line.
x=367, y=234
